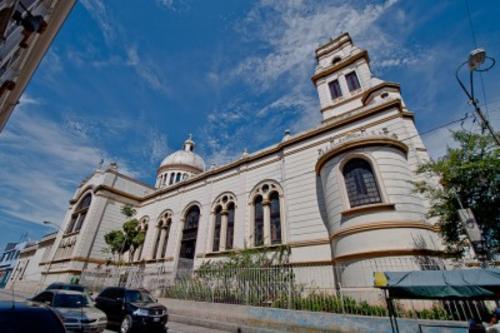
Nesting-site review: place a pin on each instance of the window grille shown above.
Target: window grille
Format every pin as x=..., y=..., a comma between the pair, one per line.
x=360, y=183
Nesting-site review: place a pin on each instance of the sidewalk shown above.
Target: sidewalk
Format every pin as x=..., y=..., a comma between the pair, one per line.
x=7, y=295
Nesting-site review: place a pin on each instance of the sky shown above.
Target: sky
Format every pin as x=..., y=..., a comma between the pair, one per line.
x=129, y=80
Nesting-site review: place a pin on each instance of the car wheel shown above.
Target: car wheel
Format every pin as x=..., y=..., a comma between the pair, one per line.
x=126, y=325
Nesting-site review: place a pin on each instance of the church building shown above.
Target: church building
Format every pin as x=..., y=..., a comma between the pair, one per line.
x=340, y=193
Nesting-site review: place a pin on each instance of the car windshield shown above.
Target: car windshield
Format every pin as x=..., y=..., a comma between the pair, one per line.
x=66, y=287
x=70, y=301
x=138, y=296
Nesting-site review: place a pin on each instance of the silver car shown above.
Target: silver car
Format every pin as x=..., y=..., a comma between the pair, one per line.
x=75, y=308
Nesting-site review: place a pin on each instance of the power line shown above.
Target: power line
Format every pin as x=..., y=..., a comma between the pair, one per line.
x=438, y=127
x=470, y=23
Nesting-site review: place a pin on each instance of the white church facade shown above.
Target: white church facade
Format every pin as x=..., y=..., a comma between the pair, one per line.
x=340, y=193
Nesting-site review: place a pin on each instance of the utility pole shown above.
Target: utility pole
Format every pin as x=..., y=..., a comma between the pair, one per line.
x=476, y=59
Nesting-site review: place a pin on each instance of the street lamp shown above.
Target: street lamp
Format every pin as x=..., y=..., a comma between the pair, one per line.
x=57, y=226
x=477, y=58
x=52, y=224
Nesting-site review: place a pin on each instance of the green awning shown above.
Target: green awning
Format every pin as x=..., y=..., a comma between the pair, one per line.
x=453, y=284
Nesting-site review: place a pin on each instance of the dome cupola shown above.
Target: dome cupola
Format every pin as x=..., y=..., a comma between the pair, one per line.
x=180, y=165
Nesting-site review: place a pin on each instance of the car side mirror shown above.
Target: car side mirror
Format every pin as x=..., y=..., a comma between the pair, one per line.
x=119, y=299
x=48, y=302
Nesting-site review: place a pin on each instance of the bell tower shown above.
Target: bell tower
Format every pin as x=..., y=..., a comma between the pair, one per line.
x=342, y=75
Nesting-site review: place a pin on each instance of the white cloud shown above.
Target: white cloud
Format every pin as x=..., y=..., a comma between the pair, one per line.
x=146, y=70
x=117, y=39
x=100, y=14
x=287, y=33
x=156, y=147
x=169, y=4
x=42, y=164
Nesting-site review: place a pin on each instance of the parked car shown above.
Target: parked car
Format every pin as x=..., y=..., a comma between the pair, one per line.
x=29, y=317
x=134, y=310
x=75, y=308
x=68, y=286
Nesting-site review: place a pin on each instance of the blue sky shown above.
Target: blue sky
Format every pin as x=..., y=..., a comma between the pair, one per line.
x=127, y=81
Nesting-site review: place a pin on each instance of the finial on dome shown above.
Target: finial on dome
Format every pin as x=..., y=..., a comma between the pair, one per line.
x=189, y=143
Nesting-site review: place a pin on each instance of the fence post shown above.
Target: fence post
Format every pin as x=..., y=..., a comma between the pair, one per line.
x=290, y=285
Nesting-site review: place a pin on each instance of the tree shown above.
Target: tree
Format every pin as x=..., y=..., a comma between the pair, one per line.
x=469, y=173
x=129, y=238
x=115, y=239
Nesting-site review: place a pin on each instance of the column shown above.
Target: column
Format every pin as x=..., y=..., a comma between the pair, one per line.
x=163, y=231
x=266, y=205
x=223, y=230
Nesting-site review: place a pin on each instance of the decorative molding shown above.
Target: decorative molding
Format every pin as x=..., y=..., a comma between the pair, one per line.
x=359, y=143
x=342, y=64
x=312, y=242
x=388, y=253
x=367, y=93
x=176, y=167
x=369, y=208
x=72, y=271
x=382, y=225
x=327, y=47
x=116, y=191
x=83, y=191
x=166, y=259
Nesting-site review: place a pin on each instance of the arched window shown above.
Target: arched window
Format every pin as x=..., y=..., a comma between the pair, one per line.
x=162, y=234
x=79, y=214
x=184, y=176
x=172, y=176
x=360, y=183
x=258, y=222
x=230, y=225
x=178, y=177
x=275, y=218
x=217, y=227
x=268, y=202
x=190, y=233
x=336, y=60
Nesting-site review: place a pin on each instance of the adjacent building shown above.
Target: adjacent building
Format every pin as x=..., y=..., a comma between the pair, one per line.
x=339, y=193
x=9, y=259
x=27, y=28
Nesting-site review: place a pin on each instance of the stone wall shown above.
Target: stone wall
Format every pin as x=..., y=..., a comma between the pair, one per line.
x=255, y=319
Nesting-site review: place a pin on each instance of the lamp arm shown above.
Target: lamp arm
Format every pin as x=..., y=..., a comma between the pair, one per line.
x=460, y=81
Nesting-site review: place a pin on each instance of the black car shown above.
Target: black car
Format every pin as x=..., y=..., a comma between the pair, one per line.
x=66, y=286
x=134, y=310
x=28, y=317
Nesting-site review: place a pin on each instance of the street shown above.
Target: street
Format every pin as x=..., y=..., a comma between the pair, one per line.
x=173, y=327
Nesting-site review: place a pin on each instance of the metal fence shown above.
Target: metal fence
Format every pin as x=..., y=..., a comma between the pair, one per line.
x=346, y=289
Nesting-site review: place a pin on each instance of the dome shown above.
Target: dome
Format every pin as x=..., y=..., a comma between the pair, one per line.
x=184, y=158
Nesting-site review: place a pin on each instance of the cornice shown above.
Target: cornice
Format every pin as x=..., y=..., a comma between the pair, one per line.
x=382, y=225
x=367, y=93
x=342, y=64
x=360, y=143
x=387, y=253
x=368, y=208
x=326, y=48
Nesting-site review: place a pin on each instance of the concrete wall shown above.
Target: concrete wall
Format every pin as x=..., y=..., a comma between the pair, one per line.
x=257, y=319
